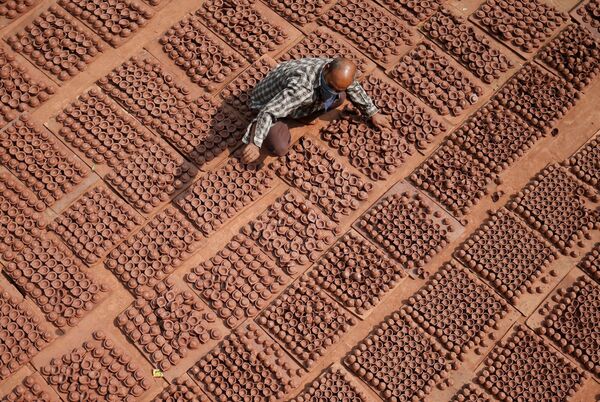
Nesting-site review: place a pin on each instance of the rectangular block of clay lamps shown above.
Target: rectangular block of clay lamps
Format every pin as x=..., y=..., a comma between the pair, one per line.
x=220, y=195
x=95, y=223
x=248, y=364
x=154, y=252
x=55, y=279
x=537, y=96
x=182, y=389
x=22, y=332
x=590, y=263
x=510, y=256
x=239, y=281
x=96, y=370
x=62, y=54
x=31, y=388
x=572, y=321
x=116, y=23
x=39, y=160
x=237, y=93
x=292, y=231
x=398, y=360
x=557, y=205
x=300, y=12
x=586, y=14
x=19, y=91
x=370, y=28
x=169, y=325
x=206, y=60
x=454, y=178
x=20, y=216
x=12, y=10
x=325, y=181
x=522, y=358
x=413, y=12
x=332, y=382
x=583, y=163
x=497, y=136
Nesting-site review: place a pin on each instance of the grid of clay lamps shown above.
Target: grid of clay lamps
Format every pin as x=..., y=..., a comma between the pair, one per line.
x=168, y=325
x=456, y=309
x=36, y=158
x=522, y=358
x=207, y=62
x=506, y=253
x=413, y=12
x=357, y=273
x=554, y=204
x=30, y=389
x=326, y=182
x=300, y=12
x=496, y=136
x=19, y=91
x=14, y=9
x=293, y=231
x=454, y=178
x=99, y=369
x=154, y=252
x=331, y=383
x=537, y=96
x=242, y=26
x=239, y=281
x=470, y=392
x=65, y=53
x=306, y=321
x=181, y=389
x=472, y=49
x=573, y=320
x=587, y=12
x=398, y=360
x=95, y=125
x=23, y=334
x=247, y=364
x=583, y=163
x=54, y=278
x=591, y=263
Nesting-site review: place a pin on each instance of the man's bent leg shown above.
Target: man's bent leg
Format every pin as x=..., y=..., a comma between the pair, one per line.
x=278, y=139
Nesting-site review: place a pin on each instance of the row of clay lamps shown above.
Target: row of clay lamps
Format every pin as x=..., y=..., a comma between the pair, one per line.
x=398, y=360
x=13, y=9
x=470, y=393
x=589, y=13
x=453, y=177
x=169, y=325
x=575, y=54
x=512, y=367
x=497, y=136
x=538, y=96
x=369, y=28
x=471, y=48
x=524, y=24
x=407, y=228
x=413, y=12
x=151, y=175
x=357, y=273
x=29, y=390
x=154, y=252
x=306, y=321
x=22, y=334
x=333, y=382
x=95, y=223
x=181, y=390
x=19, y=91
x=99, y=369
x=242, y=26
x=591, y=263
x=54, y=278
x=573, y=320
x=321, y=43
x=248, y=365
x=508, y=254
x=237, y=93
x=55, y=42
x=432, y=77
x=583, y=163
x=301, y=12
x=293, y=231
x=239, y=281
x=205, y=60
x=38, y=160
x=554, y=204
x=114, y=20
x=220, y=195
x=20, y=219
x=326, y=182
x=100, y=129
x=456, y=309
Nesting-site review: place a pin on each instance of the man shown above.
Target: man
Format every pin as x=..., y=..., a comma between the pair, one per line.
x=301, y=88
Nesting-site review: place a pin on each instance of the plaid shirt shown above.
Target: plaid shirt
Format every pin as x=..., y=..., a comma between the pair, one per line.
x=292, y=90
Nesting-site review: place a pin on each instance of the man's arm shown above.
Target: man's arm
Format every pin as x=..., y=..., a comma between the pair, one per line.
x=363, y=102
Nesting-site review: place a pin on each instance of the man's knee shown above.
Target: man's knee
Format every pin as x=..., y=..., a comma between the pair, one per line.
x=278, y=139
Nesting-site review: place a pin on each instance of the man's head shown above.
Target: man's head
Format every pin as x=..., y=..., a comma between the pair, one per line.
x=339, y=74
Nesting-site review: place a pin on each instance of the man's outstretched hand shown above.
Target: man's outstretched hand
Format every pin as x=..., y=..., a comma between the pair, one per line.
x=381, y=121
x=250, y=153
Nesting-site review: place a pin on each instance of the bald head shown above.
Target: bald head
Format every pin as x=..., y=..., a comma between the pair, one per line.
x=339, y=74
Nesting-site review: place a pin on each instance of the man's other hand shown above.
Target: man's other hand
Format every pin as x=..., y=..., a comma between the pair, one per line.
x=381, y=121
x=250, y=153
